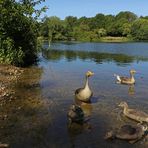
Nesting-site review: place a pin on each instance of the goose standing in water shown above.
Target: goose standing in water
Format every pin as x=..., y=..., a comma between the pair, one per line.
x=133, y=113
x=85, y=93
x=126, y=80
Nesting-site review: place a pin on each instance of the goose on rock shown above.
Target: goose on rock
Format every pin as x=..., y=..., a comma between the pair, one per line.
x=85, y=93
x=126, y=80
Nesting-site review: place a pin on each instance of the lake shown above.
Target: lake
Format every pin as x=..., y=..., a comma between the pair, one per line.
x=60, y=71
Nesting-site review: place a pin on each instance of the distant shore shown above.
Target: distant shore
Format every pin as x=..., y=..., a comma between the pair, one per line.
x=102, y=39
x=115, y=39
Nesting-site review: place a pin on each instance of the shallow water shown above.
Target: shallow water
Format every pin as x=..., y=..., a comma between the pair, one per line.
x=45, y=93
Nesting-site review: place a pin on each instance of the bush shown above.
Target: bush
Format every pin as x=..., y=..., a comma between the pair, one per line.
x=8, y=54
x=18, y=32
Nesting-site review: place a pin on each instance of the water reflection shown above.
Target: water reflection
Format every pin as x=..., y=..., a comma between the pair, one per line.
x=131, y=90
x=75, y=115
x=80, y=112
x=86, y=107
x=97, y=57
x=75, y=128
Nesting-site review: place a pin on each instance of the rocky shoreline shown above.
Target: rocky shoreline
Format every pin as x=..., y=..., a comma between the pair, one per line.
x=23, y=110
x=8, y=75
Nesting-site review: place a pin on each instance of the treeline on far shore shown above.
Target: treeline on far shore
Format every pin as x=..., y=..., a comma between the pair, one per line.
x=124, y=26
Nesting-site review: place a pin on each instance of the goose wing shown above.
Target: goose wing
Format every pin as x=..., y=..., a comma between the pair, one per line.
x=78, y=90
x=125, y=78
x=128, y=129
x=138, y=113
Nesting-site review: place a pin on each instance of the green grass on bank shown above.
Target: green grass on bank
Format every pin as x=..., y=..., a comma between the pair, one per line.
x=115, y=39
x=102, y=39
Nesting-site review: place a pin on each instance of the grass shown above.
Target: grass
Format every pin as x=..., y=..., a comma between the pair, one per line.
x=114, y=39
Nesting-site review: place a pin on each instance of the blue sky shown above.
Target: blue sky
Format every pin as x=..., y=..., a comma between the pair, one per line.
x=89, y=8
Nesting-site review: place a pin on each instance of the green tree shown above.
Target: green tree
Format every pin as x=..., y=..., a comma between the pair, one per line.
x=97, y=22
x=70, y=22
x=126, y=29
x=93, y=28
x=139, y=29
x=120, y=25
x=18, y=31
x=129, y=16
x=53, y=28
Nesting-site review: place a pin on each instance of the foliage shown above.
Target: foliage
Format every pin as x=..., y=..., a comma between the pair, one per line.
x=8, y=55
x=18, y=31
x=139, y=29
x=94, y=28
x=53, y=29
x=129, y=16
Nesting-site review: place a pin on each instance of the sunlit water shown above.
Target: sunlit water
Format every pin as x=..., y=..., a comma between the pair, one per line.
x=64, y=68
x=63, y=71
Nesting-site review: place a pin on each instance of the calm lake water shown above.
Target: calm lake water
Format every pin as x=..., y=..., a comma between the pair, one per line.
x=62, y=71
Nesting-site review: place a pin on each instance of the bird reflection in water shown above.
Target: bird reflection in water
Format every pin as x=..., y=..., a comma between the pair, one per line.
x=86, y=107
x=131, y=90
x=79, y=119
x=79, y=115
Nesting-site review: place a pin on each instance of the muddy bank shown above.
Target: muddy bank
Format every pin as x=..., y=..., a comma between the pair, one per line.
x=23, y=112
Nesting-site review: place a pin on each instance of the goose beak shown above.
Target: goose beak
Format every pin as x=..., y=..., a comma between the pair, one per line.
x=133, y=71
x=89, y=73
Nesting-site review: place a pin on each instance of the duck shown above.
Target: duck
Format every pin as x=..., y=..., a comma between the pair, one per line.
x=126, y=80
x=131, y=133
x=134, y=114
x=85, y=93
x=75, y=114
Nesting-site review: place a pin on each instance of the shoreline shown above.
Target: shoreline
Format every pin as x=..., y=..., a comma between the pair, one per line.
x=107, y=39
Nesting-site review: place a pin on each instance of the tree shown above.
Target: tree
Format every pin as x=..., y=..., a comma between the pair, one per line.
x=126, y=29
x=101, y=32
x=70, y=22
x=98, y=21
x=56, y=28
x=129, y=16
x=139, y=29
x=92, y=28
x=120, y=24
x=18, y=31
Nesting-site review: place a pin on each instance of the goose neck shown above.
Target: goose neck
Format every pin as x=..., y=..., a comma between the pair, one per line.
x=86, y=82
x=125, y=108
x=132, y=75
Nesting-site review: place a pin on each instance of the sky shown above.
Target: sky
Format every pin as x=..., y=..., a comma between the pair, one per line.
x=89, y=8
